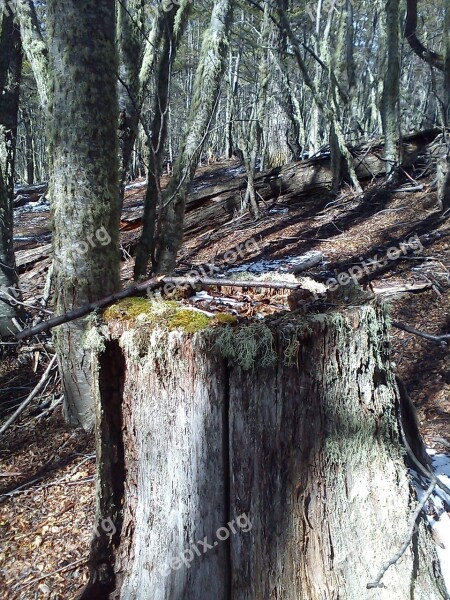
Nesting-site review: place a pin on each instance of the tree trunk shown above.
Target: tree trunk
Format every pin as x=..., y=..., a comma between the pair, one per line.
x=252, y=461
x=84, y=186
x=275, y=102
x=390, y=97
x=34, y=46
x=10, y=71
x=129, y=47
x=204, y=103
x=157, y=141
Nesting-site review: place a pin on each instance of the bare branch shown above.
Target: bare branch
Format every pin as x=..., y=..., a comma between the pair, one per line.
x=412, y=525
x=437, y=339
x=30, y=397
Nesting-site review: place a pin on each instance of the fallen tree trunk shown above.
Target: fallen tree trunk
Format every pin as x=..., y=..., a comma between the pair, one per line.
x=252, y=461
x=214, y=198
x=29, y=193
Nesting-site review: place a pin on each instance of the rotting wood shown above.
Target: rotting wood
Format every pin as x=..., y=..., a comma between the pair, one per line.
x=306, y=446
x=156, y=283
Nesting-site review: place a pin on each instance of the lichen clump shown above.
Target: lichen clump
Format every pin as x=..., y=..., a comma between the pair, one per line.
x=248, y=346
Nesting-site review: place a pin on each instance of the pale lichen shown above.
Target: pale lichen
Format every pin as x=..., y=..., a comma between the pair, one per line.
x=247, y=346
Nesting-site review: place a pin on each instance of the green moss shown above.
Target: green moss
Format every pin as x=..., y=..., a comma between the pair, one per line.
x=129, y=309
x=166, y=315
x=189, y=321
x=225, y=319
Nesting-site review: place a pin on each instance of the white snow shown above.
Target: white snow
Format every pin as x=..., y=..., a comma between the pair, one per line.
x=439, y=501
x=283, y=265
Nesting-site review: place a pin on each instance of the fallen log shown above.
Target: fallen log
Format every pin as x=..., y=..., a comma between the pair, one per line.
x=216, y=196
x=29, y=193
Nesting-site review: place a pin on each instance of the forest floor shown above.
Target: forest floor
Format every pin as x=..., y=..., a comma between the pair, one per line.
x=47, y=470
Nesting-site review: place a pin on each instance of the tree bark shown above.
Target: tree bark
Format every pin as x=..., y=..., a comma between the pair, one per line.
x=153, y=200
x=84, y=182
x=253, y=462
x=129, y=46
x=204, y=103
x=10, y=72
x=390, y=97
x=34, y=46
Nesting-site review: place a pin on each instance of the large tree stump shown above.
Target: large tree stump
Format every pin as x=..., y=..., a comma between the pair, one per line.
x=254, y=462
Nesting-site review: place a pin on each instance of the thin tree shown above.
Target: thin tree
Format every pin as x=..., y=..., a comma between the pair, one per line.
x=389, y=100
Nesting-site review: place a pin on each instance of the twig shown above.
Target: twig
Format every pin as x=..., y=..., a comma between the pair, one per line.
x=151, y=285
x=438, y=339
x=442, y=441
x=61, y=570
x=377, y=582
x=12, y=301
x=48, y=410
x=30, y=398
x=416, y=188
x=435, y=481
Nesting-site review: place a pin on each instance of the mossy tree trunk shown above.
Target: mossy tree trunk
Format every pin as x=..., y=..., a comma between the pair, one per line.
x=274, y=102
x=129, y=42
x=10, y=72
x=277, y=472
x=34, y=46
x=250, y=131
x=328, y=112
x=201, y=113
x=84, y=182
x=172, y=30
x=391, y=86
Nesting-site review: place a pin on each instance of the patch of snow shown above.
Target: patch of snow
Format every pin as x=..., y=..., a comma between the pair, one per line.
x=278, y=210
x=283, y=265
x=438, y=504
x=136, y=186
x=228, y=301
x=41, y=205
x=202, y=296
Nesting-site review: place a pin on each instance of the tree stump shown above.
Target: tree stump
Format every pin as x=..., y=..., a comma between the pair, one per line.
x=253, y=461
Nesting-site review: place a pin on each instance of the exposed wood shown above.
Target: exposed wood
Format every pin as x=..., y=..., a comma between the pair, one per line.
x=308, y=263
x=212, y=201
x=26, y=258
